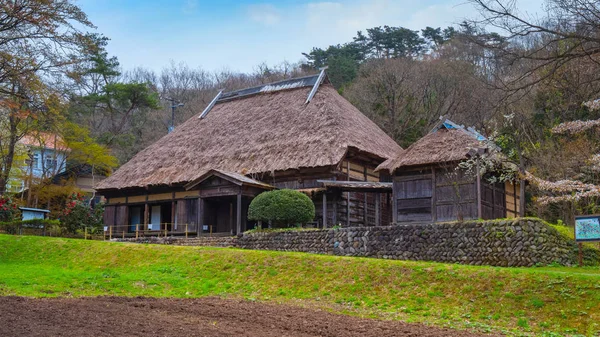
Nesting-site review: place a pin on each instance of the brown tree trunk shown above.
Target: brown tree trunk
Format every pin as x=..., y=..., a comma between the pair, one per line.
x=8, y=160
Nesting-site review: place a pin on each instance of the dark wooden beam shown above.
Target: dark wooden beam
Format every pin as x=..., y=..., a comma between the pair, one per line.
x=433, y=196
x=479, y=211
x=521, y=198
x=200, y=219
x=348, y=195
x=377, y=209
x=146, y=214
x=324, y=210
x=173, y=210
x=395, y=194
x=335, y=206
x=239, y=213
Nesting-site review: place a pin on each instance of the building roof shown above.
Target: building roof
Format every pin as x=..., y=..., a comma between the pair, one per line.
x=442, y=145
x=45, y=140
x=257, y=130
x=39, y=210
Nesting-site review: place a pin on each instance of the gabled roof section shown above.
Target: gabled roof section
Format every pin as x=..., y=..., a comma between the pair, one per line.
x=232, y=177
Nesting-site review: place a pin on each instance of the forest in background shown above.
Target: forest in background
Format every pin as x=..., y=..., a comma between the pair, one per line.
x=512, y=77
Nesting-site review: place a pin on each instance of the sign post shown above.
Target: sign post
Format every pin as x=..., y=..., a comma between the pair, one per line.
x=587, y=229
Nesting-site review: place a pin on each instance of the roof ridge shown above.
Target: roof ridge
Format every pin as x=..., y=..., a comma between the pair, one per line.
x=290, y=83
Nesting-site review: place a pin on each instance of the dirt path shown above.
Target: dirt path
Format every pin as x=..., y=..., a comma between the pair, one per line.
x=114, y=316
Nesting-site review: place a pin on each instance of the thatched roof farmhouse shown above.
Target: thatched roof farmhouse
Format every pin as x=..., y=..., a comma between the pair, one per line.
x=286, y=134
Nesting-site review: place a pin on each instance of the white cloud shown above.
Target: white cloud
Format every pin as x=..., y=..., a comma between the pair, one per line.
x=265, y=14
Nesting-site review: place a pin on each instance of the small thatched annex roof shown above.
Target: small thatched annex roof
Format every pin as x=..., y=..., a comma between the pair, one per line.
x=441, y=146
x=270, y=128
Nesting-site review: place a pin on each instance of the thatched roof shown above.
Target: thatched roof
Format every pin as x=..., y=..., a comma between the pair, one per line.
x=266, y=131
x=441, y=146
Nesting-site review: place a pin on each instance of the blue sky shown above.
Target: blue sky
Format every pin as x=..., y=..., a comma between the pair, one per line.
x=238, y=35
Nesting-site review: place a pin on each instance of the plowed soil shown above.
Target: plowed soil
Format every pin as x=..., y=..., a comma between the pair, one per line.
x=116, y=316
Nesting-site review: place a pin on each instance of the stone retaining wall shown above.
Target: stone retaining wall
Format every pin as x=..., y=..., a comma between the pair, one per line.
x=523, y=242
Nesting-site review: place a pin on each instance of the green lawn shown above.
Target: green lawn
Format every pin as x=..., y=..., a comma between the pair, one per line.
x=549, y=301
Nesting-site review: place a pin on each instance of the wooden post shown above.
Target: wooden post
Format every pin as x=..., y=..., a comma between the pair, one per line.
x=123, y=234
x=137, y=228
x=433, y=196
x=348, y=196
x=325, y=209
x=85, y=233
x=110, y=233
x=186, y=231
x=173, y=210
x=200, y=219
x=146, y=215
x=335, y=202
x=231, y=217
x=239, y=213
x=479, y=215
x=394, y=198
x=377, y=208
x=522, y=196
x=366, y=205
x=514, y=183
x=580, y=254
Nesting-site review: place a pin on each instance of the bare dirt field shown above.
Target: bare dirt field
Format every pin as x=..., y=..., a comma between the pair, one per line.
x=116, y=316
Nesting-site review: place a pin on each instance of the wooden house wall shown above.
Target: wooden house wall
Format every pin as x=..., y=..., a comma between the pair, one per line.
x=493, y=200
x=434, y=194
x=513, y=199
x=455, y=195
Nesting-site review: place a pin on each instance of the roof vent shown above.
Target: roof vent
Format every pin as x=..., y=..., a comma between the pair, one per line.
x=315, y=87
x=210, y=105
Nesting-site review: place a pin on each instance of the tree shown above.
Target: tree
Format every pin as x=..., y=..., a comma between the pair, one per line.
x=406, y=97
x=112, y=109
x=282, y=208
x=37, y=38
x=567, y=33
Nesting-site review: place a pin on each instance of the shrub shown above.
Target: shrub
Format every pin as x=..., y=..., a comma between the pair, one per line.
x=9, y=211
x=282, y=208
x=78, y=214
x=13, y=227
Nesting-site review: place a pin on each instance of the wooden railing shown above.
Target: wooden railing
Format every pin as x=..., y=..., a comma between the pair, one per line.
x=165, y=229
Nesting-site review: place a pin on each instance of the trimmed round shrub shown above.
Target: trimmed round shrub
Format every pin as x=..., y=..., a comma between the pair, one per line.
x=282, y=208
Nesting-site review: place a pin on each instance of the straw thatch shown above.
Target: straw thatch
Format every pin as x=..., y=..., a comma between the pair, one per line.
x=260, y=133
x=441, y=146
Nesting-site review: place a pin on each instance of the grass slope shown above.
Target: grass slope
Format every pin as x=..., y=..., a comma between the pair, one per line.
x=549, y=301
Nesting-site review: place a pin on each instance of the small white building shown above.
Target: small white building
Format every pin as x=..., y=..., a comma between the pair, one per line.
x=33, y=213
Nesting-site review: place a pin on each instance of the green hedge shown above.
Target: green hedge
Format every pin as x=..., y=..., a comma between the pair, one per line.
x=12, y=227
x=282, y=208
